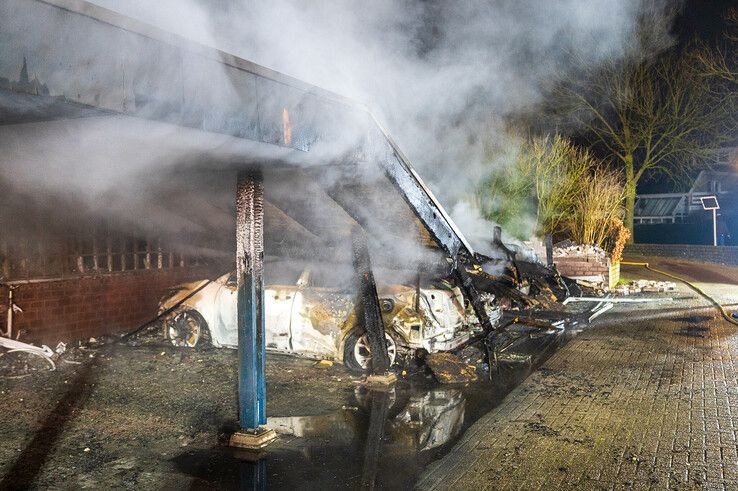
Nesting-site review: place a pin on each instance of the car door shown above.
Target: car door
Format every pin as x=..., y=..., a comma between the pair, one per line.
x=277, y=308
x=278, y=305
x=225, y=332
x=317, y=316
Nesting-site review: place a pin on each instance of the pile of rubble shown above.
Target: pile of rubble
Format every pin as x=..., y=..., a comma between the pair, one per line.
x=568, y=248
x=646, y=286
x=583, y=262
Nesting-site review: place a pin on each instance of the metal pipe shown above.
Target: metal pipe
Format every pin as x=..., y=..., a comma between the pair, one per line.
x=9, y=317
x=601, y=310
x=616, y=300
x=549, y=250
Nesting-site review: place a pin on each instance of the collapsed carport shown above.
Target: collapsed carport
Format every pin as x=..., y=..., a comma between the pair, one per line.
x=337, y=188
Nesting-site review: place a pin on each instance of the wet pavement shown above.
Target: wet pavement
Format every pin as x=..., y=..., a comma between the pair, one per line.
x=645, y=399
x=382, y=439
x=158, y=417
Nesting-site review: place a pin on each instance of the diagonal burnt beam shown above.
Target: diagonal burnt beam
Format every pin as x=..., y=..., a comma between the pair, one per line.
x=277, y=220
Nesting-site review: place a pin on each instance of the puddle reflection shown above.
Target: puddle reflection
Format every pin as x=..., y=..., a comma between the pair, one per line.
x=383, y=439
x=379, y=439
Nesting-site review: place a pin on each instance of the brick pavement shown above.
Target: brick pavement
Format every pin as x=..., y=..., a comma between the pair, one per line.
x=641, y=405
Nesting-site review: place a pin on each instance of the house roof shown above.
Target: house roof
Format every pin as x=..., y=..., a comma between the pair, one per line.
x=728, y=181
x=656, y=206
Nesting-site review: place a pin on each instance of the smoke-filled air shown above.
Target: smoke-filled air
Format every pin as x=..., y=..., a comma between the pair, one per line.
x=443, y=77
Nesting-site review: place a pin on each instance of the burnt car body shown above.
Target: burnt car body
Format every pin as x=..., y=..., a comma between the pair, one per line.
x=321, y=322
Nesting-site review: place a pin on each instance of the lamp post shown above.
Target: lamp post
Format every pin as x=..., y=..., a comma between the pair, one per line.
x=710, y=203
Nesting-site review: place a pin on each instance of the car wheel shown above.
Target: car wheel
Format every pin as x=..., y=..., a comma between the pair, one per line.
x=357, y=354
x=185, y=328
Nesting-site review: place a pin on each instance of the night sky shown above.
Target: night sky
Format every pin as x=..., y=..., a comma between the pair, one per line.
x=702, y=19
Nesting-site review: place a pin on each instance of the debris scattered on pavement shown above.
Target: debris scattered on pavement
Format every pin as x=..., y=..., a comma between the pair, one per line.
x=600, y=309
x=16, y=362
x=324, y=364
x=646, y=286
x=616, y=299
x=450, y=369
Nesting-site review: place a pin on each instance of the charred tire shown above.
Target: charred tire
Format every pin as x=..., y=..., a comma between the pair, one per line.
x=357, y=354
x=186, y=328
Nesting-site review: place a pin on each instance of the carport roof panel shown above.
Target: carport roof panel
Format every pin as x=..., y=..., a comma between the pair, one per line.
x=123, y=66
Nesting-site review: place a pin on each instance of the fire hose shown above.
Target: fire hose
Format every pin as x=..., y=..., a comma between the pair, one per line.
x=694, y=287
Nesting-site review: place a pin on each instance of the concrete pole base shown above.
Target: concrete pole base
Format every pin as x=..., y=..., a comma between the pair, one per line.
x=383, y=380
x=255, y=439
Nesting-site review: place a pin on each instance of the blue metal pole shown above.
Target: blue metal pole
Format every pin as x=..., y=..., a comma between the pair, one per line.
x=247, y=370
x=249, y=266
x=253, y=476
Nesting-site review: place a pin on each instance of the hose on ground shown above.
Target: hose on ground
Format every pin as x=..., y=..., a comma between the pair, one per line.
x=694, y=287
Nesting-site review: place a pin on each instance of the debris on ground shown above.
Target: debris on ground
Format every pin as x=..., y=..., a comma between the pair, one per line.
x=617, y=300
x=568, y=248
x=450, y=369
x=22, y=359
x=324, y=364
x=646, y=286
x=43, y=352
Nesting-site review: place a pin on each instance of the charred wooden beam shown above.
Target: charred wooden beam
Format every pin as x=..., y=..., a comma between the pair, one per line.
x=380, y=403
x=371, y=312
x=474, y=296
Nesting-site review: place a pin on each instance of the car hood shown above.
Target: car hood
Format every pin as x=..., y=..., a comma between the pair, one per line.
x=177, y=293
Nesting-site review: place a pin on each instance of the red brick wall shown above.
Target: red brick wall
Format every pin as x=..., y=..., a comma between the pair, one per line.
x=79, y=308
x=582, y=266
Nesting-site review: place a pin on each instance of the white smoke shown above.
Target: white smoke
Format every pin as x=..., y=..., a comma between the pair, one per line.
x=442, y=76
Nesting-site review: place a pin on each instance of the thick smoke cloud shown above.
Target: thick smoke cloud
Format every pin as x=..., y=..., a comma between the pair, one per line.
x=442, y=76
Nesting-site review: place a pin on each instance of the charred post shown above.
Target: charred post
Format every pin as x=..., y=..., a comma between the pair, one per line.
x=370, y=311
x=249, y=268
x=549, y=250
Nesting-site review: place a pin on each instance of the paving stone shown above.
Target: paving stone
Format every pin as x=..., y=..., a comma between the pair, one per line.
x=639, y=405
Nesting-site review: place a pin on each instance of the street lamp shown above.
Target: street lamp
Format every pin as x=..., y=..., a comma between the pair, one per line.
x=711, y=203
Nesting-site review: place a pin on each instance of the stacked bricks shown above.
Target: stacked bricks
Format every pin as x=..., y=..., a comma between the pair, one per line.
x=79, y=308
x=584, y=266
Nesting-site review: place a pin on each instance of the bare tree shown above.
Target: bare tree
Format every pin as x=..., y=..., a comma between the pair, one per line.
x=648, y=115
x=720, y=60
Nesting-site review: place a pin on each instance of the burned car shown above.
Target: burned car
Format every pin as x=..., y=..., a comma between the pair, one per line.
x=321, y=322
